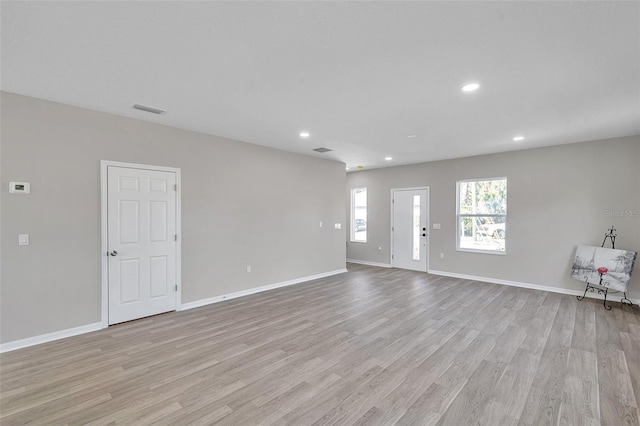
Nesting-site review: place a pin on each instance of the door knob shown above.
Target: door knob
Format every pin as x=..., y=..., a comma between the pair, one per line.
x=113, y=253
x=424, y=235
x=424, y=229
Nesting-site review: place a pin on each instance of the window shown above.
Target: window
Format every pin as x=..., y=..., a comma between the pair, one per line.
x=359, y=215
x=482, y=215
x=416, y=228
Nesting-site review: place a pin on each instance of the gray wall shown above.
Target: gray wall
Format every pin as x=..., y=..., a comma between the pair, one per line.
x=242, y=205
x=558, y=197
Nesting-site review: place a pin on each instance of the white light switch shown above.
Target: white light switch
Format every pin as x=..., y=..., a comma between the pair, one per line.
x=23, y=239
x=436, y=226
x=338, y=226
x=320, y=224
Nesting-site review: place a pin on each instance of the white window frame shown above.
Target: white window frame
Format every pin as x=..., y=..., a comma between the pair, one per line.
x=352, y=230
x=459, y=215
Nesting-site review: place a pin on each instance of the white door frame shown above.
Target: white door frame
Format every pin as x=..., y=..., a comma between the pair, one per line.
x=413, y=188
x=104, y=256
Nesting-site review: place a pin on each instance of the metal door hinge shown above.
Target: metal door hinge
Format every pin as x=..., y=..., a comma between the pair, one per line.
x=176, y=287
x=175, y=187
x=175, y=237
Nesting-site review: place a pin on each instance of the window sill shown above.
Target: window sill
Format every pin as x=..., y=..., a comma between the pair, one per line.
x=499, y=253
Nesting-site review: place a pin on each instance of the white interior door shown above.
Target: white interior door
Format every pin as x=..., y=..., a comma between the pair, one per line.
x=142, y=248
x=410, y=229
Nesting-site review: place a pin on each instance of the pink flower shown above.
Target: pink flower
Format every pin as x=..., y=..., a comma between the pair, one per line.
x=603, y=270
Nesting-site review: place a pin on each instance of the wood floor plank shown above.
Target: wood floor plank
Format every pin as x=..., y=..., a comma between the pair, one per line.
x=615, y=385
x=374, y=346
x=631, y=347
x=507, y=400
x=580, y=401
x=469, y=404
x=584, y=330
x=543, y=403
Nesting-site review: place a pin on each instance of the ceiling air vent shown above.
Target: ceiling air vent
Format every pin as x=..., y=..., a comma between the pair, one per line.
x=145, y=108
x=322, y=150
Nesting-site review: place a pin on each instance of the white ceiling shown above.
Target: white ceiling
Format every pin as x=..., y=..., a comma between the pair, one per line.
x=359, y=76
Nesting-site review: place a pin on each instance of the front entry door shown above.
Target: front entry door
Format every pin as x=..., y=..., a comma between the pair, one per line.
x=410, y=229
x=141, y=229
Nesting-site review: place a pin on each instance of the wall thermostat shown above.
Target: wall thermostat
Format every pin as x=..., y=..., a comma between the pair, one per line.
x=19, y=187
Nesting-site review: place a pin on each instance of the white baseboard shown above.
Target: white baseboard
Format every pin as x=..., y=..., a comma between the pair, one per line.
x=611, y=297
x=49, y=337
x=56, y=335
x=216, y=299
x=366, y=262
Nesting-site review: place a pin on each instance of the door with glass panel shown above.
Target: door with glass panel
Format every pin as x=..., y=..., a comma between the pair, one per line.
x=409, y=228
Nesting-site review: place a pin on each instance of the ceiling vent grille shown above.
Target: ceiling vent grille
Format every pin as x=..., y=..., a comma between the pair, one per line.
x=145, y=108
x=322, y=150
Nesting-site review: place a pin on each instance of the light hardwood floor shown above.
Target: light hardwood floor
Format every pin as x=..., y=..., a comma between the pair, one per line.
x=371, y=347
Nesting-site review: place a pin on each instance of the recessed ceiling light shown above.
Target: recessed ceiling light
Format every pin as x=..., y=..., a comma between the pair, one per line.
x=518, y=138
x=470, y=87
x=388, y=158
x=304, y=134
x=411, y=136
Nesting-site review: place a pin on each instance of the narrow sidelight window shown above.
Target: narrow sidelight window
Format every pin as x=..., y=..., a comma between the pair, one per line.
x=359, y=215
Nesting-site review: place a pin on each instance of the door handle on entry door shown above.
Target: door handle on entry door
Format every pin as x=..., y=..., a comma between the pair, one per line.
x=113, y=253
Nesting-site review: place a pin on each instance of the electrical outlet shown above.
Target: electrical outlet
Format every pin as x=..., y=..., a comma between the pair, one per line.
x=248, y=268
x=436, y=226
x=441, y=255
x=23, y=239
x=19, y=187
